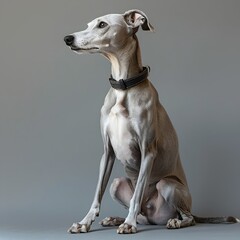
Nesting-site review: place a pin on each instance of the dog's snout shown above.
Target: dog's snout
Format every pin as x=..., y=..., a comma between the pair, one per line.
x=69, y=40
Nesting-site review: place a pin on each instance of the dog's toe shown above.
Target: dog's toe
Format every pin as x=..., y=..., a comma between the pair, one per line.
x=78, y=228
x=111, y=221
x=174, y=223
x=126, y=228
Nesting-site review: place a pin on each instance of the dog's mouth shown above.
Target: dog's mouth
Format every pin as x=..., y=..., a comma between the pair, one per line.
x=74, y=48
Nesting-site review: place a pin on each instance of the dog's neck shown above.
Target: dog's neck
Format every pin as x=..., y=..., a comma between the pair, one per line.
x=126, y=63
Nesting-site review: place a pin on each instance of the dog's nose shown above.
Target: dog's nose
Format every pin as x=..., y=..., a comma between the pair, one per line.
x=69, y=40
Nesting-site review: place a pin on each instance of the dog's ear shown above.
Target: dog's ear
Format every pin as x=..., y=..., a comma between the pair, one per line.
x=135, y=18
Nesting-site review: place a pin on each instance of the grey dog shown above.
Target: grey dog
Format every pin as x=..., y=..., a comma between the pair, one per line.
x=137, y=131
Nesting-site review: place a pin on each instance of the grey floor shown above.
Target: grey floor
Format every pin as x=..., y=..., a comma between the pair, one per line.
x=40, y=232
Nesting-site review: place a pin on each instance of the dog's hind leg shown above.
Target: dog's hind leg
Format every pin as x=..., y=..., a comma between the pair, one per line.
x=121, y=190
x=178, y=196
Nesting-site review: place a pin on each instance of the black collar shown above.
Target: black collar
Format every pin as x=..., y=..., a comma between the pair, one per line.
x=130, y=82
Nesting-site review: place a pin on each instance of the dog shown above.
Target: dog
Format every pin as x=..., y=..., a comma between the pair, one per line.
x=137, y=131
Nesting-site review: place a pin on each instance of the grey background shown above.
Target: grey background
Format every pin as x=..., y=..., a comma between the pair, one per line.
x=50, y=100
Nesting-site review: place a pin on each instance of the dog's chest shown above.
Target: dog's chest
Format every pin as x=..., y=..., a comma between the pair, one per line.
x=122, y=135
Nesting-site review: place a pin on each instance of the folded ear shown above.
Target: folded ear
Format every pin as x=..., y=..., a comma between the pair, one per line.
x=135, y=18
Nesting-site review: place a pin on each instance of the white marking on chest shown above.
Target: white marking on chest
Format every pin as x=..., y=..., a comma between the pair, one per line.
x=120, y=135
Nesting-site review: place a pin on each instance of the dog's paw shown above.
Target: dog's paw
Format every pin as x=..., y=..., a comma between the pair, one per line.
x=126, y=228
x=79, y=228
x=111, y=221
x=174, y=223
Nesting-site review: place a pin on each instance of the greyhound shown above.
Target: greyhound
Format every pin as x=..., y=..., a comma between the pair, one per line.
x=137, y=131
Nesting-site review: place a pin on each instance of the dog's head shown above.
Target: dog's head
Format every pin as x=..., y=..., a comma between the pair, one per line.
x=108, y=33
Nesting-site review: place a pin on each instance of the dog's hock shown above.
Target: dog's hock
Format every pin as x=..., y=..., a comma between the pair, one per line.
x=135, y=18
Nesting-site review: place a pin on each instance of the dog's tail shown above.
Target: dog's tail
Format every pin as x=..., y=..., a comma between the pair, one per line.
x=213, y=220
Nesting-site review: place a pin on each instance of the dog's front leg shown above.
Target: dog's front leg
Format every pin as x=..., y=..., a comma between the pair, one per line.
x=130, y=224
x=105, y=170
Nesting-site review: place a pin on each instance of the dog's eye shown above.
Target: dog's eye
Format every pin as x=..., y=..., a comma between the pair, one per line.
x=102, y=25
